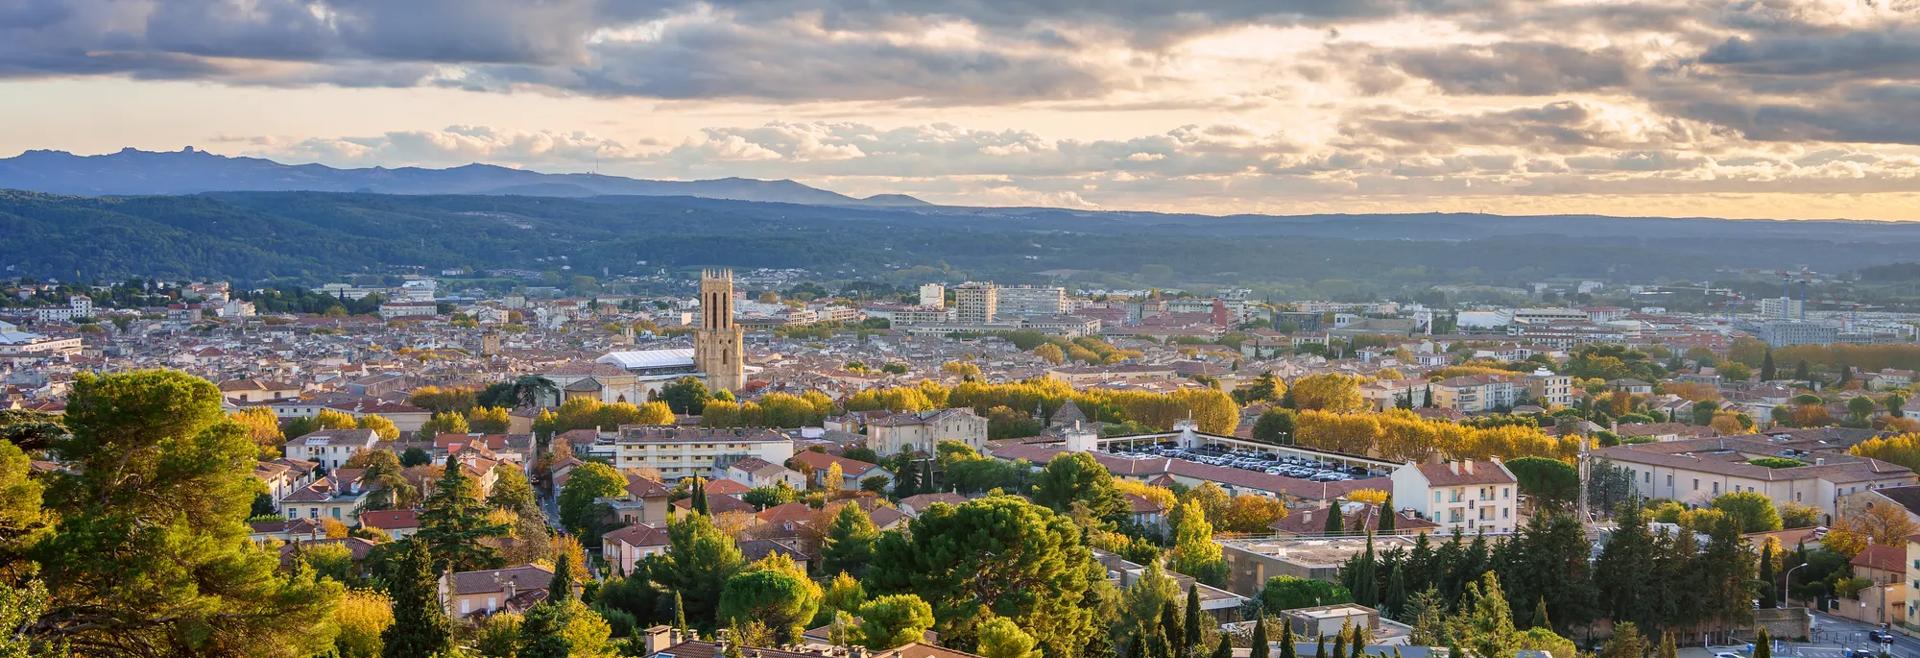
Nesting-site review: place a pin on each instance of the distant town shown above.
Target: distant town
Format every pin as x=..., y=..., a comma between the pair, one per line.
x=756, y=462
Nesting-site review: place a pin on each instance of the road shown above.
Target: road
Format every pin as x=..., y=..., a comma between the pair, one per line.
x=1831, y=630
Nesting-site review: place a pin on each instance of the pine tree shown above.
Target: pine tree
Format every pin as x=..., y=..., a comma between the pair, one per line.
x=1395, y=603
x=1190, y=639
x=1334, y=521
x=1388, y=517
x=1540, y=619
x=1258, y=647
x=420, y=626
x=453, y=521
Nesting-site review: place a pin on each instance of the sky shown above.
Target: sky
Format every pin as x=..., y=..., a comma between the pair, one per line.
x=1729, y=108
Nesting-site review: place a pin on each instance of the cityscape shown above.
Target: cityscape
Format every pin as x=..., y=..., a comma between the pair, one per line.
x=831, y=329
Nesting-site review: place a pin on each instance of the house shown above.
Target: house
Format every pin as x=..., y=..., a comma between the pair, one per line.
x=917, y=504
x=1633, y=386
x=1470, y=496
x=357, y=548
x=397, y=523
x=623, y=549
x=1146, y=513
x=258, y=390
x=1885, y=600
x=283, y=476
x=644, y=501
x=852, y=471
x=924, y=430
x=756, y=472
x=331, y=448
x=337, y=496
x=513, y=589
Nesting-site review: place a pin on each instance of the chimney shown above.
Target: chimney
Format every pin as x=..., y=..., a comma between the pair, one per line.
x=509, y=587
x=1467, y=466
x=1453, y=467
x=658, y=638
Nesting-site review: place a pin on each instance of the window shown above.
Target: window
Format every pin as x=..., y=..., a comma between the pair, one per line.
x=1669, y=479
x=1696, y=484
x=1436, y=496
x=1716, y=488
x=466, y=606
x=1649, y=477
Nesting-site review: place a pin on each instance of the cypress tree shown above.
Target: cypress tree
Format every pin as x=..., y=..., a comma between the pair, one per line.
x=1287, y=650
x=1667, y=648
x=1540, y=619
x=1320, y=646
x=560, y=588
x=1768, y=595
x=1136, y=646
x=1762, y=644
x=1225, y=650
x=1190, y=640
x=1359, y=642
x=679, y=613
x=1170, y=628
x=1388, y=517
x=1767, y=372
x=699, y=503
x=1801, y=373
x=1340, y=644
x=1366, y=590
x=1158, y=647
x=420, y=626
x=1259, y=648
x=1335, y=523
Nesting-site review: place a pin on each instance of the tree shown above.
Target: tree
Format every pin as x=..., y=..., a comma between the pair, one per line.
x=697, y=565
x=686, y=395
x=1767, y=371
x=1751, y=510
x=1194, y=552
x=581, y=511
x=445, y=422
x=420, y=626
x=415, y=457
x=1288, y=593
x=381, y=426
x=1553, y=484
x=1627, y=642
x=1335, y=523
x=512, y=492
x=1050, y=353
x=149, y=554
x=362, y=617
x=1485, y=623
x=263, y=427
x=1190, y=626
x=1078, y=478
x=774, y=591
x=564, y=629
x=454, y=521
x=1275, y=425
x=1001, y=638
x=1257, y=645
x=1224, y=649
x=1327, y=392
x=893, y=620
x=1762, y=644
x=1001, y=555
x=1768, y=594
x=849, y=542
x=489, y=420
x=1389, y=516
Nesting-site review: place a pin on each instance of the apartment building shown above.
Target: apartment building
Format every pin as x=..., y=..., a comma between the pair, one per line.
x=1032, y=300
x=924, y=430
x=331, y=448
x=1469, y=496
x=976, y=303
x=679, y=452
x=1695, y=471
x=1473, y=394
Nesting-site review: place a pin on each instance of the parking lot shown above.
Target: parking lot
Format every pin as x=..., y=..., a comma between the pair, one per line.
x=1269, y=462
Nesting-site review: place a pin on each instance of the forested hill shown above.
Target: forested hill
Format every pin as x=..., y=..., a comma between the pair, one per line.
x=311, y=237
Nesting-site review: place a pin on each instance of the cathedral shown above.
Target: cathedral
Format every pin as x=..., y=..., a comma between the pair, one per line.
x=718, y=344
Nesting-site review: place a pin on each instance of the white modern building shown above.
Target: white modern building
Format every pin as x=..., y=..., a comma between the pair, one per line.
x=1470, y=496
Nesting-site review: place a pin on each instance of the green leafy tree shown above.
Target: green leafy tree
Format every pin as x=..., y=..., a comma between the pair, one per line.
x=686, y=395
x=1288, y=592
x=775, y=592
x=1194, y=552
x=565, y=629
x=1553, y=484
x=893, y=620
x=150, y=554
x=999, y=555
x=580, y=508
x=848, y=545
x=420, y=626
x=454, y=521
x=1078, y=478
x=1002, y=638
x=698, y=562
x=512, y=492
x=1752, y=511
x=1275, y=425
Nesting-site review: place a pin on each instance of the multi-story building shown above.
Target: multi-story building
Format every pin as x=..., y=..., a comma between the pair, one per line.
x=908, y=316
x=933, y=295
x=1782, y=333
x=922, y=431
x=1695, y=471
x=21, y=347
x=1031, y=300
x=719, y=345
x=1473, y=394
x=391, y=310
x=77, y=308
x=331, y=448
x=1548, y=389
x=1469, y=496
x=679, y=452
x=976, y=303
x=1782, y=308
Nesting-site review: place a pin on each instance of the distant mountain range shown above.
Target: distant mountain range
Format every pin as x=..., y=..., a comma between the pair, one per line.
x=191, y=171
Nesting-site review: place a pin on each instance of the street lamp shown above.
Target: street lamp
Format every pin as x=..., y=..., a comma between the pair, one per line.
x=1787, y=581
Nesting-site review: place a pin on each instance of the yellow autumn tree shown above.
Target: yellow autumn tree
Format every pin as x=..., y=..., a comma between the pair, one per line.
x=1328, y=392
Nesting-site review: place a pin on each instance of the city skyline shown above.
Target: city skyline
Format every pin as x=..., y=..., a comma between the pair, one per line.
x=1779, y=109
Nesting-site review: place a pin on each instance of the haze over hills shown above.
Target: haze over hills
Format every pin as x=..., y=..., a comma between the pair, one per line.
x=189, y=171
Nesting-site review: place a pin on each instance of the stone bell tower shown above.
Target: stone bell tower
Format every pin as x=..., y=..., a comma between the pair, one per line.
x=718, y=345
